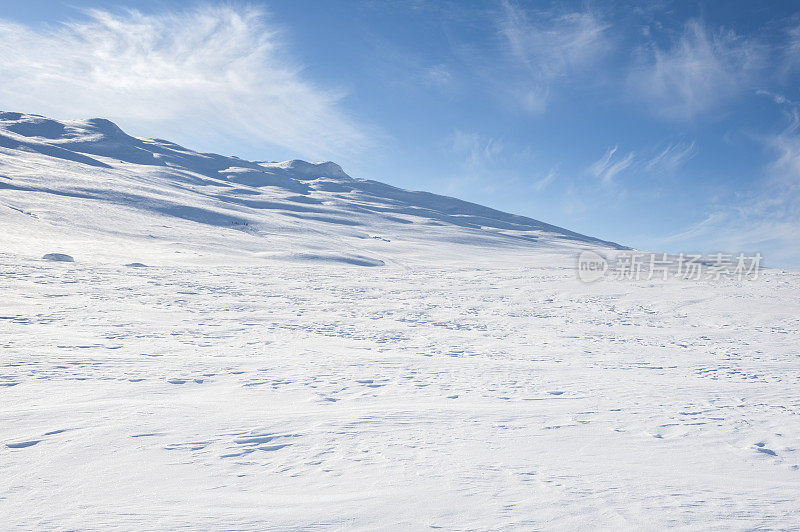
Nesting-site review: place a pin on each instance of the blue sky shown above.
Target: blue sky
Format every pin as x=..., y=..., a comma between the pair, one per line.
x=664, y=125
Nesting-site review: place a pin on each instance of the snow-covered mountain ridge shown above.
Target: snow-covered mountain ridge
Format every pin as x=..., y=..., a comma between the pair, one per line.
x=93, y=181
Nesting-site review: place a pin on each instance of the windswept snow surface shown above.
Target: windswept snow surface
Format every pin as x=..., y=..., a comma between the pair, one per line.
x=245, y=345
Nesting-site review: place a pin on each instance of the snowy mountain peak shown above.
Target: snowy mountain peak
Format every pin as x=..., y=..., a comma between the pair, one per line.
x=36, y=126
x=105, y=129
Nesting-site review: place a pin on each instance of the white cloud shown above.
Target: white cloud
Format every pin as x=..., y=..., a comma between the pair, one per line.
x=767, y=217
x=791, y=49
x=438, y=76
x=701, y=70
x=708, y=225
x=478, y=164
x=209, y=71
x=477, y=151
x=541, y=183
x=671, y=158
x=775, y=97
x=550, y=46
x=785, y=169
x=608, y=166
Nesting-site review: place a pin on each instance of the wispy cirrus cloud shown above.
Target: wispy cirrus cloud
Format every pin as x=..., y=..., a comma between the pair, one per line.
x=490, y=164
x=609, y=165
x=765, y=218
x=439, y=76
x=477, y=155
x=672, y=157
x=477, y=151
x=703, y=227
x=790, y=49
x=218, y=71
x=700, y=71
x=550, y=46
x=541, y=183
